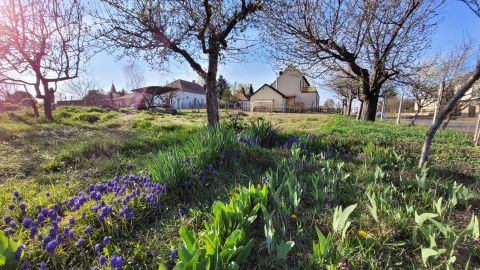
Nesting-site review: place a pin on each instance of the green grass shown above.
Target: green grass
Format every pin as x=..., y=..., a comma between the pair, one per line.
x=334, y=161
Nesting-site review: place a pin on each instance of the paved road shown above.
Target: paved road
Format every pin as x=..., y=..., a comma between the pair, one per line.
x=467, y=125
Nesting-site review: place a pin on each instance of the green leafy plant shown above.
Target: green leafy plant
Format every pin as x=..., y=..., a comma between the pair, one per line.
x=340, y=222
x=7, y=250
x=222, y=245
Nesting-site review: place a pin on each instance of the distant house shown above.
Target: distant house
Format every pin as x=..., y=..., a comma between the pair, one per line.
x=243, y=100
x=291, y=91
x=469, y=104
x=132, y=100
x=178, y=94
x=187, y=94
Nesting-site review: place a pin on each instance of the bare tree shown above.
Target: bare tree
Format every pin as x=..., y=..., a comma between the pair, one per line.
x=80, y=86
x=135, y=76
x=17, y=94
x=40, y=44
x=372, y=41
x=474, y=5
x=459, y=93
x=422, y=86
x=346, y=88
x=453, y=71
x=185, y=30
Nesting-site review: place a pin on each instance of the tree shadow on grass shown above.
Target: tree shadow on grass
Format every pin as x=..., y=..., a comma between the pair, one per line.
x=467, y=178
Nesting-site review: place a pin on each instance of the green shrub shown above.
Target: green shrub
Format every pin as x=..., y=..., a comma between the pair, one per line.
x=186, y=163
x=263, y=132
x=90, y=118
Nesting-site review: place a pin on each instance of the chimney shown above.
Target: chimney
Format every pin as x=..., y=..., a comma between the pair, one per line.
x=193, y=81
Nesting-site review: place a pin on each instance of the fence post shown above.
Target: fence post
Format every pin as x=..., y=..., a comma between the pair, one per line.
x=399, y=110
x=476, y=136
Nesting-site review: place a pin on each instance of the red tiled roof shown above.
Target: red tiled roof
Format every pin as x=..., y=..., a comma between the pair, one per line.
x=187, y=86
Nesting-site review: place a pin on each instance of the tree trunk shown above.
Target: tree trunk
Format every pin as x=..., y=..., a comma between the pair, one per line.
x=33, y=104
x=369, y=109
x=47, y=101
x=211, y=85
x=47, y=106
x=416, y=115
x=399, y=115
x=476, y=137
x=445, y=123
x=438, y=104
x=360, y=109
x=349, y=106
x=445, y=111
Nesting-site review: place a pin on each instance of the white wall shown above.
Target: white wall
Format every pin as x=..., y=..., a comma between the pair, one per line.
x=291, y=83
x=267, y=98
x=184, y=100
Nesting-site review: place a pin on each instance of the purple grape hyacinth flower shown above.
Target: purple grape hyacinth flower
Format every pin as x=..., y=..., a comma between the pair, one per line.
x=173, y=255
x=18, y=253
x=116, y=261
x=106, y=240
x=51, y=247
x=80, y=242
x=7, y=218
x=102, y=260
x=25, y=265
x=27, y=222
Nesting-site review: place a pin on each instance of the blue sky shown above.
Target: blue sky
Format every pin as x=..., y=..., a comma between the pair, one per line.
x=458, y=23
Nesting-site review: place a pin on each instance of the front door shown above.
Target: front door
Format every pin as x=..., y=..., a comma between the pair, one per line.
x=290, y=102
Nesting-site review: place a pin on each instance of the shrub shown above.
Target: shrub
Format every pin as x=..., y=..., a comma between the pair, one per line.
x=90, y=118
x=197, y=159
x=264, y=133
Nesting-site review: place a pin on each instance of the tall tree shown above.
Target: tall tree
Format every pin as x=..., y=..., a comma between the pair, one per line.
x=41, y=44
x=17, y=94
x=222, y=84
x=186, y=30
x=446, y=110
x=134, y=75
x=346, y=88
x=80, y=86
x=422, y=86
x=250, y=90
x=452, y=102
x=372, y=41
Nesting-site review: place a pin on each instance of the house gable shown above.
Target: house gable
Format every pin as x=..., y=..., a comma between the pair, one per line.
x=269, y=89
x=292, y=83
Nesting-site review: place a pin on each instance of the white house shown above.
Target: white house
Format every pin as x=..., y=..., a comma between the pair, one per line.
x=187, y=94
x=291, y=91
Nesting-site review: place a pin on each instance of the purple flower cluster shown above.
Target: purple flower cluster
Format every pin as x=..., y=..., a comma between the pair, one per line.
x=127, y=191
x=249, y=141
x=291, y=141
x=116, y=262
x=329, y=151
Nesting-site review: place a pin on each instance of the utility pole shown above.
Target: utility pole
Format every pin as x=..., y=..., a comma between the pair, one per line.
x=399, y=110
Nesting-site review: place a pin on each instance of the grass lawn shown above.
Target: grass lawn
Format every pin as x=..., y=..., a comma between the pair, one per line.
x=144, y=190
